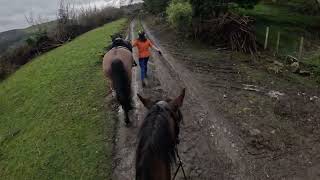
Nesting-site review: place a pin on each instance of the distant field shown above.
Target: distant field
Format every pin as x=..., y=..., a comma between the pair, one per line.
x=291, y=24
x=54, y=123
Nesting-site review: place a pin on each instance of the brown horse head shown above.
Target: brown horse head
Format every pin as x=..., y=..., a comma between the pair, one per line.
x=158, y=137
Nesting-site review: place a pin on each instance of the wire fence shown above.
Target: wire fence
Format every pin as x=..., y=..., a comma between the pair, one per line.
x=289, y=43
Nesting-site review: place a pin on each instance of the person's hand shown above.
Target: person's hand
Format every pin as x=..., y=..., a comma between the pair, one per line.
x=160, y=53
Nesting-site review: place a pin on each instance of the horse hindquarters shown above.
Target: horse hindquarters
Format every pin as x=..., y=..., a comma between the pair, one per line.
x=122, y=86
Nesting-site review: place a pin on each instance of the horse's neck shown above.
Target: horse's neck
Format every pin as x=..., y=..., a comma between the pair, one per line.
x=160, y=170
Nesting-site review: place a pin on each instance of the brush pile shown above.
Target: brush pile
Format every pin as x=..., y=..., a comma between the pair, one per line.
x=231, y=29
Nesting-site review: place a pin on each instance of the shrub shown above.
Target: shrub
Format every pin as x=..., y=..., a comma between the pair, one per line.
x=156, y=6
x=309, y=7
x=206, y=9
x=180, y=15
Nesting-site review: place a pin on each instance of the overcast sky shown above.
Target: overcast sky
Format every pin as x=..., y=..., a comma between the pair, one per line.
x=13, y=12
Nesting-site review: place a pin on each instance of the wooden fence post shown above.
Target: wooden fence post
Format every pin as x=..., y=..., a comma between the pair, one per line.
x=278, y=42
x=266, y=40
x=301, y=47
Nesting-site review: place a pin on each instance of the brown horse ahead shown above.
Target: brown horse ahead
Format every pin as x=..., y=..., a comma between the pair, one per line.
x=158, y=138
x=117, y=65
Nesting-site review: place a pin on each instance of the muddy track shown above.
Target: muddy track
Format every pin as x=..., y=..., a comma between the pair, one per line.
x=125, y=138
x=257, y=137
x=207, y=147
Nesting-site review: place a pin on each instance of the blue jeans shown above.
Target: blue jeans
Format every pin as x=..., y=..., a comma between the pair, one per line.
x=143, y=62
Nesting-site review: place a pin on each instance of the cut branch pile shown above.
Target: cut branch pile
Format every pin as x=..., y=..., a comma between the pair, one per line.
x=235, y=30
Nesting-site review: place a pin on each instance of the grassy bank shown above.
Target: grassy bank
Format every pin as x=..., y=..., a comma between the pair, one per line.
x=54, y=124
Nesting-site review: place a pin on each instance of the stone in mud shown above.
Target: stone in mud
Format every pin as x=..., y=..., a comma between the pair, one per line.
x=283, y=107
x=290, y=59
x=277, y=63
x=254, y=132
x=295, y=67
x=276, y=67
x=304, y=73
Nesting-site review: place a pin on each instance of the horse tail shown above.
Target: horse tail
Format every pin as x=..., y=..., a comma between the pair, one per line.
x=121, y=84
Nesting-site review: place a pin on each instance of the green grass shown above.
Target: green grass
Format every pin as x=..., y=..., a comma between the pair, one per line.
x=291, y=24
x=315, y=63
x=54, y=123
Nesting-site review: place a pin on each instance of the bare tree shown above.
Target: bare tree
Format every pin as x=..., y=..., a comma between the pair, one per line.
x=38, y=23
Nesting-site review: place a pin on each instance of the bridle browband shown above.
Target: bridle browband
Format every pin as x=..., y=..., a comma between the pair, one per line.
x=164, y=105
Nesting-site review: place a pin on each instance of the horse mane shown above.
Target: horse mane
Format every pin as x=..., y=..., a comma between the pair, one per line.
x=154, y=141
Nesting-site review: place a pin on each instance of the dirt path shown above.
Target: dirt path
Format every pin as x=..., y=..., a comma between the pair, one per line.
x=125, y=139
x=206, y=148
x=255, y=139
x=256, y=125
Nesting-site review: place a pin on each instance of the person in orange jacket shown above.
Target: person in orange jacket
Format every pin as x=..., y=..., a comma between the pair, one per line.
x=143, y=44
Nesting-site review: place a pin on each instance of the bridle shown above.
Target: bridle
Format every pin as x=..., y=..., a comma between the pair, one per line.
x=178, y=118
x=179, y=166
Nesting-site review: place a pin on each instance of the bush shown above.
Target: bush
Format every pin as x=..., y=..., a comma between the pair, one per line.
x=206, y=9
x=14, y=58
x=180, y=15
x=309, y=7
x=156, y=6
x=72, y=22
x=248, y=4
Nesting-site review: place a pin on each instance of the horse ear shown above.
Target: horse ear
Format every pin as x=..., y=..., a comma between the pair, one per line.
x=146, y=102
x=177, y=103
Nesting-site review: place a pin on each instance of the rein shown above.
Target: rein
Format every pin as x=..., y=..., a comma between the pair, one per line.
x=179, y=166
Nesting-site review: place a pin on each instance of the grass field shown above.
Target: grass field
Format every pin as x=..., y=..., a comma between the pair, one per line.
x=54, y=123
x=292, y=25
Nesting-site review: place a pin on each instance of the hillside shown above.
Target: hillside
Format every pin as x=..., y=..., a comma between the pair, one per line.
x=54, y=123
x=16, y=37
x=11, y=38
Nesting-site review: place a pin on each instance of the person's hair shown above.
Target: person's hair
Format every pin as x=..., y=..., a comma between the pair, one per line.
x=142, y=36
